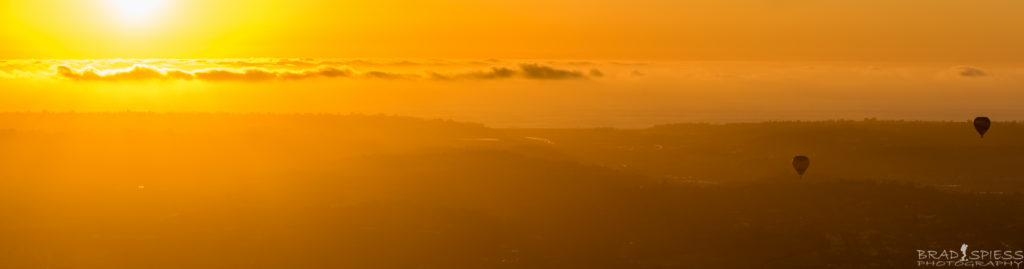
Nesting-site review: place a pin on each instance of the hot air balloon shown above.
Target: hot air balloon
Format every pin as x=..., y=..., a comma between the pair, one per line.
x=981, y=124
x=800, y=163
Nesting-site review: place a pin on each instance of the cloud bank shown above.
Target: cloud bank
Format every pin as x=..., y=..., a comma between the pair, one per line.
x=143, y=72
x=147, y=72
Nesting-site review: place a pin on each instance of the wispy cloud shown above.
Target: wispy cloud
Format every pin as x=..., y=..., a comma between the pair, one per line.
x=388, y=75
x=970, y=71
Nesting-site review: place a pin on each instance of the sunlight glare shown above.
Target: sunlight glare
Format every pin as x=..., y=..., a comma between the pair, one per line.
x=135, y=11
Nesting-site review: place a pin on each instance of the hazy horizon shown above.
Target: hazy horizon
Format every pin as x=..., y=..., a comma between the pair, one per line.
x=522, y=93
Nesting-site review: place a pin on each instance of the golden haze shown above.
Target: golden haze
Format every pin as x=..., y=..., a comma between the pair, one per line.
x=509, y=134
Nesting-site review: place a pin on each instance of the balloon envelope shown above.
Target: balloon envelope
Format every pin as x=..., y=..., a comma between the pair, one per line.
x=981, y=124
x=800, y=163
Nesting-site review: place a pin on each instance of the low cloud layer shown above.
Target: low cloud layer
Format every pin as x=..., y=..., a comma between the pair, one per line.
x=527, y=71
x=146, y=72
x=151, y=71
x=264, y=70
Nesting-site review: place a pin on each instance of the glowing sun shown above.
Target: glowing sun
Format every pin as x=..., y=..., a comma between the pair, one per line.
x=136, y=10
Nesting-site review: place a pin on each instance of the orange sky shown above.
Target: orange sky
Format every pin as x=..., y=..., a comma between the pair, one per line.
x=792, y=30
x=519, y=63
